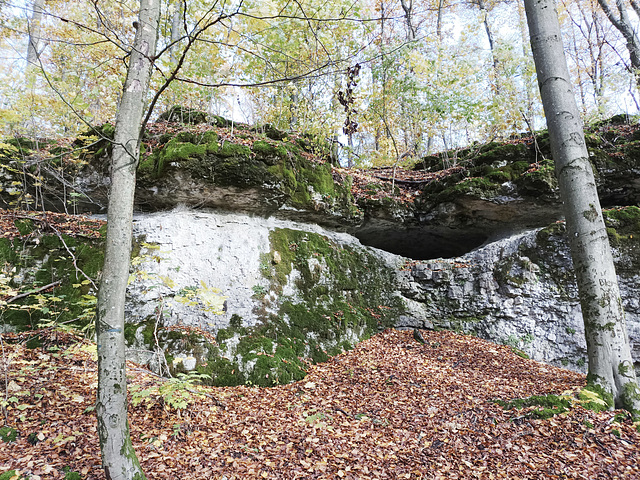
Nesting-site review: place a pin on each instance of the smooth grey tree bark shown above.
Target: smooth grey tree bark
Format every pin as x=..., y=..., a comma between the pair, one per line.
x=611, y=368
x=33, y=47
x=118, y=457
x=177, y=29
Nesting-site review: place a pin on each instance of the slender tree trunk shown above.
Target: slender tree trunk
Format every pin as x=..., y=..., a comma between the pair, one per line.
x=576, y=52
x=492, y=44
x=624, y=25
x=176, y=29
x=33, y=48
x=439, y=20
x=383, y=65
x=598, y=66
x=407, y=6
x=524, y=32
x=610, y=363
x=118, y=457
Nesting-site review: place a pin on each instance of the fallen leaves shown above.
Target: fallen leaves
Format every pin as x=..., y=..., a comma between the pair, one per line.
x=376, y=184
x=62, y=223
x=390, y=408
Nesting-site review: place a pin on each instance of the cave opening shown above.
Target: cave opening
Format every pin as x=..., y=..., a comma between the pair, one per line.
x=422, y=243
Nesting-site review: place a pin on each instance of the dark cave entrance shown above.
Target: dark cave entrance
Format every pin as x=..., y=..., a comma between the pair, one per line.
x=422, y=243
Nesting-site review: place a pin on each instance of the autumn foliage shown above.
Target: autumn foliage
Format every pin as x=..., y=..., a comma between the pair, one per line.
x=390, y=408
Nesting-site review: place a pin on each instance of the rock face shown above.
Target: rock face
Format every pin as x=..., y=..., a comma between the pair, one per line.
x=273, y=293
x=254, y=256
x=237, y=276
x=492, y=191
x=520, y=291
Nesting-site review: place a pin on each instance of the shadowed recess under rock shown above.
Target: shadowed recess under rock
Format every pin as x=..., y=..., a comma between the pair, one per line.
x=421, y=243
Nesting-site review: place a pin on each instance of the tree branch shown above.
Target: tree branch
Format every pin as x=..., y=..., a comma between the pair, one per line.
x=37, y=290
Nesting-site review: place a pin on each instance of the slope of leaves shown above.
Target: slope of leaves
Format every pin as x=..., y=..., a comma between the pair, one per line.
x=391, y=408
x=47, y=222
x=378, y=183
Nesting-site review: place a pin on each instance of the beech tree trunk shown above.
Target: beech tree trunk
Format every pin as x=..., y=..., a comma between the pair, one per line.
x=33, y=47
x=177, y=29
x=610, y=363
x=118, y=457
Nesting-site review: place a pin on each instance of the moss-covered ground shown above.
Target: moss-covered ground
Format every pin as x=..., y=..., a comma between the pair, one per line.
x=43, y=254
x=295, y=167
x=524, y=163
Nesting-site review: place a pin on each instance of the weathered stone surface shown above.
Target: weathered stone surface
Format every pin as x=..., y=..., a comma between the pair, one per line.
x=263, y=287
x=495, y=191
x=521, y=291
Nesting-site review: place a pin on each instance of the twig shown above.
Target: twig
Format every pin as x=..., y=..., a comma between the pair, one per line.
x=162, y=359
x=404, y=182
x=5, y=365
x=37, y=290
x=73, y=257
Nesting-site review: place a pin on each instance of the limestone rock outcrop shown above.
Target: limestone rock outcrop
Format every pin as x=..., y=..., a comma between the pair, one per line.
x=254, y=253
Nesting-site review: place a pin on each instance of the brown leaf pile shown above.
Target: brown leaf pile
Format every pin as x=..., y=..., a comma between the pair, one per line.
x=390, y=408
x=50, y=222
x=377, y=183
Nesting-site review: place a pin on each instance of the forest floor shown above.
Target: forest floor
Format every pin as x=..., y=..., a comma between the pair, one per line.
x=390, y=408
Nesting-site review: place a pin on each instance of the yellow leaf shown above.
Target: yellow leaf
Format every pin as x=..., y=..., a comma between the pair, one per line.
x=589, y=396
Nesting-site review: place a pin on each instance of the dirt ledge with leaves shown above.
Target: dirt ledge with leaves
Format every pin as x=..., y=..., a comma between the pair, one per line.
x=452, y=407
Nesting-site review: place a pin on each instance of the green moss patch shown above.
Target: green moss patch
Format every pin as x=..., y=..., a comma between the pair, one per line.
x=30, y=263
x=180, y=114
x=484, y=171
x=623, y=225
x=295, y=173
x=591, y=397
x=614, y=151
x=538, y=406
x=341, y=298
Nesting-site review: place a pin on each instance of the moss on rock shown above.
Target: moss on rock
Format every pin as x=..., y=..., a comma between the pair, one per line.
x=341, y=297
x=180, y=114
x=38, y=260
x=278, y=166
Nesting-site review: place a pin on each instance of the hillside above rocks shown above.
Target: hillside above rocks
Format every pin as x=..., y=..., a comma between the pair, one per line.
x=443, y=206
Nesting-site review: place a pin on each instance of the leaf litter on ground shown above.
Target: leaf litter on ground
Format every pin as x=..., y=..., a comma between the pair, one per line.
x=390, y=408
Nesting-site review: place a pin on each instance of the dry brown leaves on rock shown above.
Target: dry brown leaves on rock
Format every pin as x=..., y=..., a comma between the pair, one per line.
x=390, y=408
x=377, y=183
x=51, y=222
